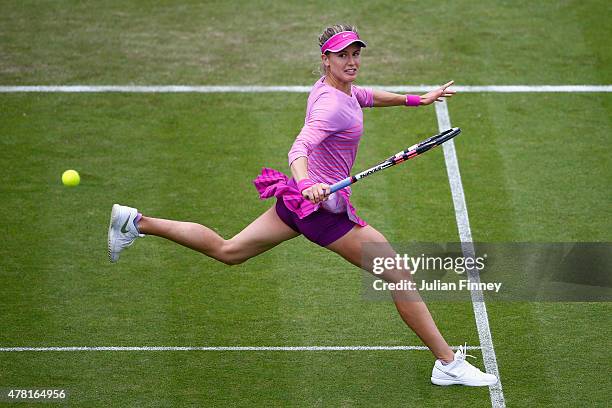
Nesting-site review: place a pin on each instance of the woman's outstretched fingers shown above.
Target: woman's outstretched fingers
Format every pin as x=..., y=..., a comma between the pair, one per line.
x=446, y=85
x=438, y=94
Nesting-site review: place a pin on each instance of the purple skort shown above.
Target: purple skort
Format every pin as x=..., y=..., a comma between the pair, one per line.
x=321, y=227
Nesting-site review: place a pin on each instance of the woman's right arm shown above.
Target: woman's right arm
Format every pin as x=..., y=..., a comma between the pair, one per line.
x=315, y=193
x=320, y=124
x=299, y=168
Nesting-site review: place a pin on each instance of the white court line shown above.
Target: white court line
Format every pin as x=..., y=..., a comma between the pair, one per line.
x=234, y=348
x=294, y=89
x=467, y=246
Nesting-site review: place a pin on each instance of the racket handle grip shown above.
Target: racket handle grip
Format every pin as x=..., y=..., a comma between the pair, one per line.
x=340, y=185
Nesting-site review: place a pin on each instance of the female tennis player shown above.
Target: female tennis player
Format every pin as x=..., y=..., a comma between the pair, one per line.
x=323, y=153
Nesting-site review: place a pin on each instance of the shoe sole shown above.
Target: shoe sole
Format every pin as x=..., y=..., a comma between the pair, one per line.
x=111, y=236
x=443, y=382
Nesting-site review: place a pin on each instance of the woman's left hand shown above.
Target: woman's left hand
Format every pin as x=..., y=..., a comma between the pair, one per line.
x=438, y=94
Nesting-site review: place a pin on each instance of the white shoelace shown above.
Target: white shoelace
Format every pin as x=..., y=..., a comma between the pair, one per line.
x=463, y=354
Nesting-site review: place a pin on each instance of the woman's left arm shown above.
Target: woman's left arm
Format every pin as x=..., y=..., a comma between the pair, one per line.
x=384, y=98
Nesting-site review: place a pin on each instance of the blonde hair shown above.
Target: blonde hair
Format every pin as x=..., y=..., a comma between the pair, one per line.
x=328, y=33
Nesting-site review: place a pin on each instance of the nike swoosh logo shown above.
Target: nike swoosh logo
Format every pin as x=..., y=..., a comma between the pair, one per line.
x=123, y=228
x=447, y=373
x=345, y=35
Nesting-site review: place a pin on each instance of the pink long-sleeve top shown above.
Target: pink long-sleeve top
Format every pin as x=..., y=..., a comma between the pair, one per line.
x=329, y=140
x=332, y=131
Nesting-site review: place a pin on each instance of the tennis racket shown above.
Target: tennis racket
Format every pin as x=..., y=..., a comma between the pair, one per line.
x=410, y=153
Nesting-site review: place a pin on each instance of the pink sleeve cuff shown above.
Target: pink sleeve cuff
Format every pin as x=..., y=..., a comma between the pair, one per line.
x=369, y=100
x=295, y=154
x=413, y=100
x=304, y=184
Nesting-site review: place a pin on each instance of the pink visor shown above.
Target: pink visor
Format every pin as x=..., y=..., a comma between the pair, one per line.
x=340, y=41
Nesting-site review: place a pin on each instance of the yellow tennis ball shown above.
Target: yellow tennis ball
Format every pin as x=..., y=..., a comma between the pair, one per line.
x=71, y=178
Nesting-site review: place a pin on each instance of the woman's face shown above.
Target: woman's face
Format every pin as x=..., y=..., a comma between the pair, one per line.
x=343, y=65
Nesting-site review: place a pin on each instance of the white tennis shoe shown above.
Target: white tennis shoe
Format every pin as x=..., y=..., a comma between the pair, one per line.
x=121, y=232
x=460, y=372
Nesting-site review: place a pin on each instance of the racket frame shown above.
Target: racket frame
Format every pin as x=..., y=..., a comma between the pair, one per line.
x=400, y=157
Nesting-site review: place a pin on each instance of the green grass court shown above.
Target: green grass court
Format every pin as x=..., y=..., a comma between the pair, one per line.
x=535, y=168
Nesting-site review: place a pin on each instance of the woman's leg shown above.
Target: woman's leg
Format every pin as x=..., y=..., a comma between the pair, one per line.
x=264, y=233
x=408, y=303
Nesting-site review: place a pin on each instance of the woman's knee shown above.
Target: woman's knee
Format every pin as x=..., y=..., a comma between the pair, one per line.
x=231, y=253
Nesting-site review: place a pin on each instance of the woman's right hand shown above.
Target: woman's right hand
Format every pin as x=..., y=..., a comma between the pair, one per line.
x=316, y=193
